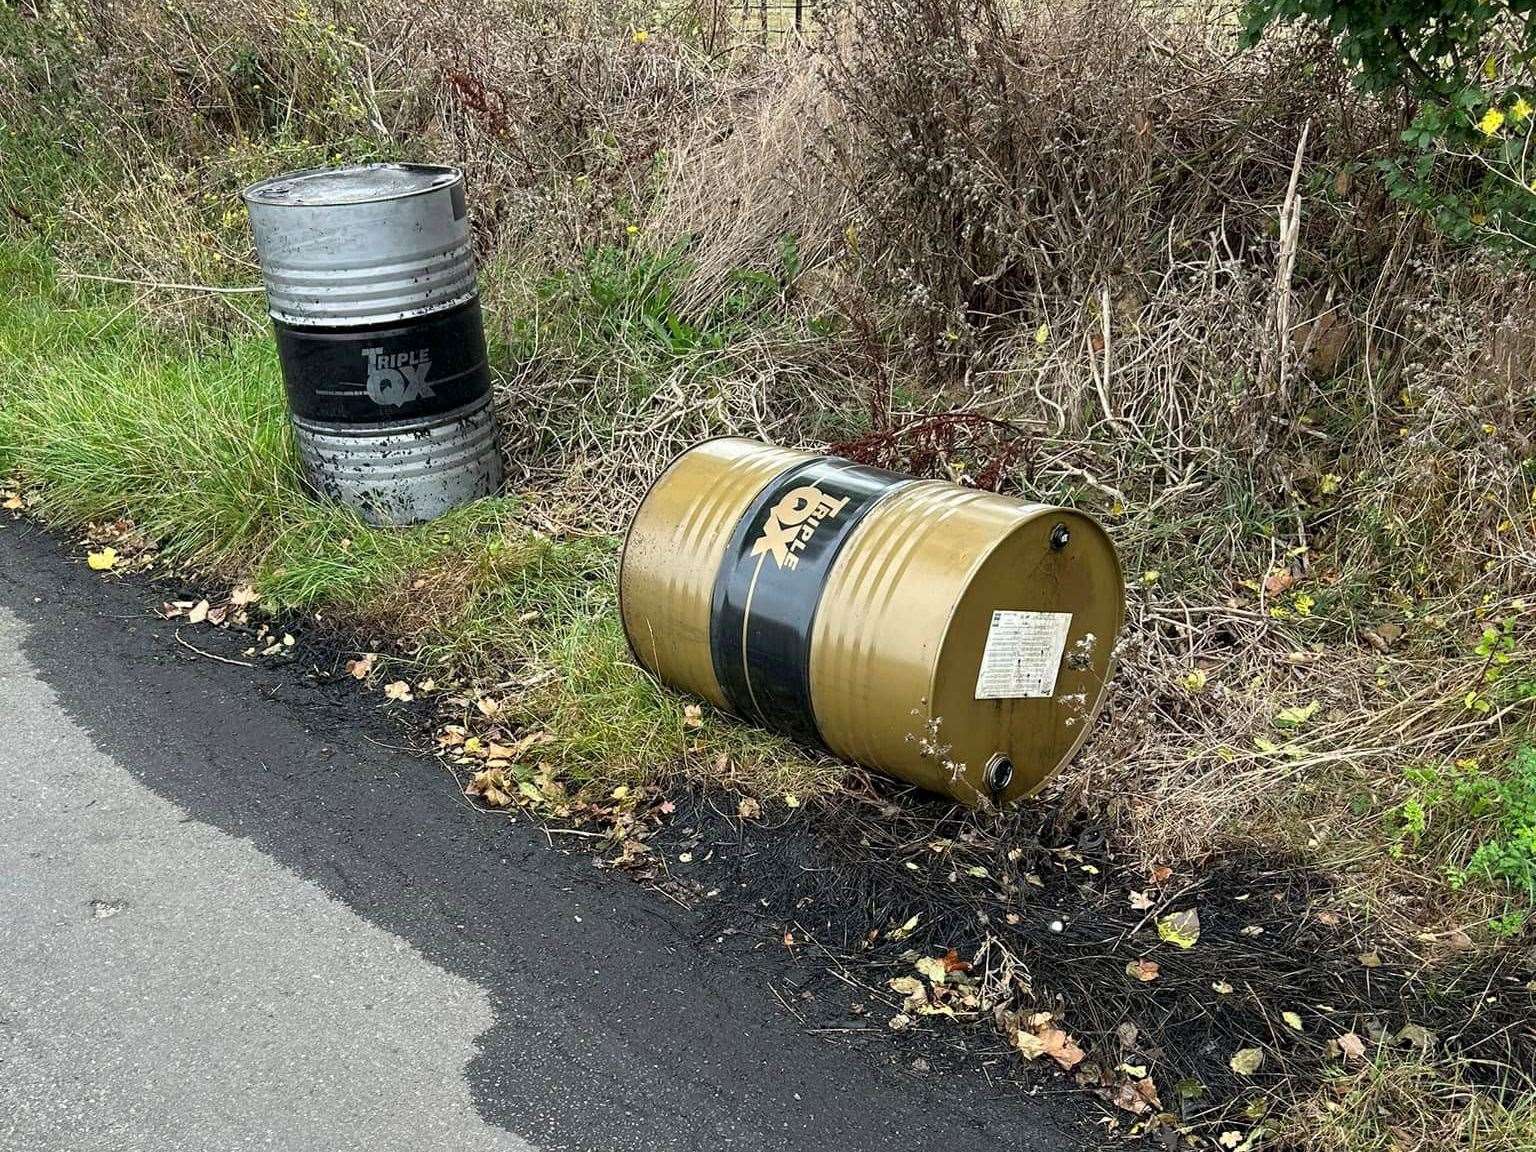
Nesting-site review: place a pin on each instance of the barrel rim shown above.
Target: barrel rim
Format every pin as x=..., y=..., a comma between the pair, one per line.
x=252, y=194
x=366, y=429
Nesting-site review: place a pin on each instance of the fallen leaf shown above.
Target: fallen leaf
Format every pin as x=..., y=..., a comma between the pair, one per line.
x=1062, y=1048
x=748, y=809
x=1144, y=970
x=1370, y=959
x=931, y=968
x=103, y=560
x=1246, y=1061
x=13, y=503
x=398, y=690
x=198, y=613
x=906, y=929
x=791, y=801
x=1417, y=1036
x=1352, y=1046
x=620, y=793
x=1230, y=1139
x=1161, y=874
x=243, y=595
x=1137, y=1098
x=1052, y=1042
x=898, y=1022
x=1296, y=715
x=953, y=963
x=1141, y=901
x=489, y=708
x=1221, y=988
x=693, y=716
x=362, y=667
x=1181, y=929
x=1278, y=581
x=1292, y=1020
x=911, y=987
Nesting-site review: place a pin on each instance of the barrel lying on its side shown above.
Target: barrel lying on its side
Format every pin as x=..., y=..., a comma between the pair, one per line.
x=957, y=639
x=371, y=287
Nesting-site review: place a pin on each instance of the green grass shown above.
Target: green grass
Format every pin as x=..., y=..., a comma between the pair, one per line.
x=103, y=417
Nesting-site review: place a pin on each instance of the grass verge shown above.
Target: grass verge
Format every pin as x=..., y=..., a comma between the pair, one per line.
x=104, y=418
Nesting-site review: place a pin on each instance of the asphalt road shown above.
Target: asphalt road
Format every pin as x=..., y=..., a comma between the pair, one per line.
x=231, y=917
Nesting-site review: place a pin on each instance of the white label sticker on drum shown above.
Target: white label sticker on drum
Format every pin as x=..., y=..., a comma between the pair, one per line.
x=1023, y=654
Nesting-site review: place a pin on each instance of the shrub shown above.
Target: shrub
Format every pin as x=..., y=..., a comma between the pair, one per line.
x=1465, y=69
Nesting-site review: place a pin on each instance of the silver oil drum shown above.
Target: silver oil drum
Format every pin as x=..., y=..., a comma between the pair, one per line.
x=371, y=286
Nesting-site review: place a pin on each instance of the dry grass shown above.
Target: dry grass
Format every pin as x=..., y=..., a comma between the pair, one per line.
x=1405, y=1106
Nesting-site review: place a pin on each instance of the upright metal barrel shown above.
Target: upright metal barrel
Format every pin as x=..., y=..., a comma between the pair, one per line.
x=957, y=639
x=371, y=287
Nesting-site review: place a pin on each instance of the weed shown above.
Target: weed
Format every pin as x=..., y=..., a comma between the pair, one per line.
x=1480, y=824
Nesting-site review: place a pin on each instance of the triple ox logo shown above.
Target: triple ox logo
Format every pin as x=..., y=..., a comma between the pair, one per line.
x=793, y=521
x=397, y=378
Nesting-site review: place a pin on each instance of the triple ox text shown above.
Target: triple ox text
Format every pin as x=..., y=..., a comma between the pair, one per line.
x=397, y=378
x=793, y=521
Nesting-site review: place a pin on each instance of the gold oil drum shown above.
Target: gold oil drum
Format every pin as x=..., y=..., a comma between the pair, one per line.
x=956, y=639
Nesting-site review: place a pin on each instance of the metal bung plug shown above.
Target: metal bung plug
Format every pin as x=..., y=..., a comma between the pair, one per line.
x=999, y=773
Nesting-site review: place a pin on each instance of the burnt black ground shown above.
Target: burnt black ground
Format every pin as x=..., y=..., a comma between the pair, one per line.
x=623, y=1021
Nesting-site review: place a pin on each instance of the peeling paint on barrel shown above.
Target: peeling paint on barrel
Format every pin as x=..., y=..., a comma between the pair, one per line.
x=403, y=474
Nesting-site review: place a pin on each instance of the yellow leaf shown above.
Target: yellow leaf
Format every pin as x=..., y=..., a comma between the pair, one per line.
x=1042, y=334
x=1181, y=929
x=1297, y=715
x=792, y=801
x=103, y=560
x=1292, y=1020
